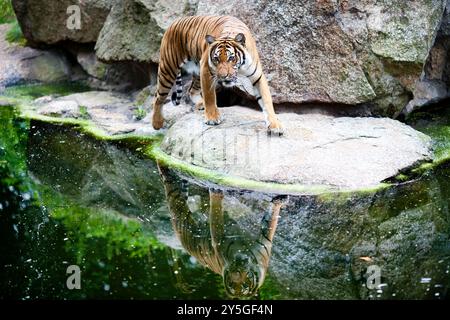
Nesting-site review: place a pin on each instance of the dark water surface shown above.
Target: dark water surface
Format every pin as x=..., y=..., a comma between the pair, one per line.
x=138, y=230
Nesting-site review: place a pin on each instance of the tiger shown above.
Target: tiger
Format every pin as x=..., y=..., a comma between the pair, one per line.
x=242, y=259
x=218, y=51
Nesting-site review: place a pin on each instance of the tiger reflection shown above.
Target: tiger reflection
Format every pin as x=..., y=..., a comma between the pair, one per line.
x=240, y=257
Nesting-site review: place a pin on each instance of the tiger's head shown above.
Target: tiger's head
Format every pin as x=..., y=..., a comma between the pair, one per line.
x=226, y=55
x=242, y=277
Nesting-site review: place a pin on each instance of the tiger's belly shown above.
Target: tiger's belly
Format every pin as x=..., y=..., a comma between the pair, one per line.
x=192, y=67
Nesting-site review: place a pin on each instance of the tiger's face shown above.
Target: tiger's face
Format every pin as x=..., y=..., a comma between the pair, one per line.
x=226, y=55
x=242, y=277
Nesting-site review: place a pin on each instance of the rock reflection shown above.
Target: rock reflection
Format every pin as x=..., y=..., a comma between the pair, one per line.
x=326, y=245
x=217, y=237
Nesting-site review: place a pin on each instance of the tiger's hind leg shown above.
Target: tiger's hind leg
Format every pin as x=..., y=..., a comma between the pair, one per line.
x=216, y=219
x=195, y=93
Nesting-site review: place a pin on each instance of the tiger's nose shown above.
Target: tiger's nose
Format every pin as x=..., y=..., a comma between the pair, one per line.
x=226, y=79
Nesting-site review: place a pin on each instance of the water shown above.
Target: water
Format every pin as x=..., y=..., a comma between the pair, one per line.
x=138, y=230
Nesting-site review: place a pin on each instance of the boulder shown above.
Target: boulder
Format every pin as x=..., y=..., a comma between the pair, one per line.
x=434, y=83
x=346, y=52
x=118, y=76
x=324, y=247
x=91, y=65
x=24, y=64
x=317, y=150
x=45, y=22
x=134, y=28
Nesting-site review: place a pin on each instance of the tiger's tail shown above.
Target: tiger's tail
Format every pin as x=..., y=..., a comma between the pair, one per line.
x=178, y=93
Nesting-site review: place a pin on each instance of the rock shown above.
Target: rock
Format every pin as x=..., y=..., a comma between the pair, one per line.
x=144, y=95
x=5, y=102
x=445, y=26
x=61, y=108
x=427, y=92
x=89, y=62
x=347, y=52
x=112, y=112
x=46, y=21
x=434, y=83
x=24, y=64
x=318, y=150
x=122, y=76
x=134, y=28
x=366, y=53
x=324, y=247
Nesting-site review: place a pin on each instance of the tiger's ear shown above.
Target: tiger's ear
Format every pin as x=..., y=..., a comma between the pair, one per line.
x=240, y=38
x=210, y=39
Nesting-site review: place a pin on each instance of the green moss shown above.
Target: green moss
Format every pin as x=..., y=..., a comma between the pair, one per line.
x=89, y=128
x=401, y=177
x=140, y=112
x=22, y=96
x=27, y=93
x=6, y=11
x=269, y=290
x=83, y=112
x=436, y=124
x=87, y=225
x=15, y=35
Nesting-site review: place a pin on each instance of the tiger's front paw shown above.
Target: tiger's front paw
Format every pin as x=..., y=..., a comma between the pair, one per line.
x=213, y=118
x=275, y=128
x=157, y=122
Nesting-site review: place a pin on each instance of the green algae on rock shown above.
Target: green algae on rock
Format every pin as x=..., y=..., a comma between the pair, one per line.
x=436, y=124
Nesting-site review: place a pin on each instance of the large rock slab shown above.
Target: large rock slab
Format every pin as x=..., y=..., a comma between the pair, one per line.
x=46, y=21
x=338, y=152
x=112, y=112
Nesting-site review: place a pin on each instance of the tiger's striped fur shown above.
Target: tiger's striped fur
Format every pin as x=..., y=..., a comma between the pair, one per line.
x=224, y=50
x=178, y=94
x=241, y=258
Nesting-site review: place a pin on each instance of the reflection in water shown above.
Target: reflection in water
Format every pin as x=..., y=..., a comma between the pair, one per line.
x=68, y=199
x=205, y=230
